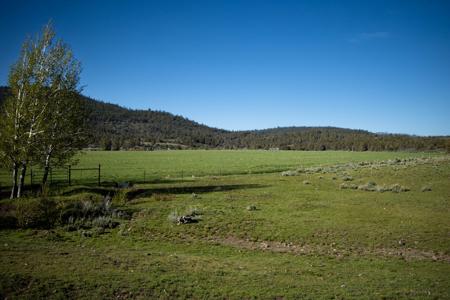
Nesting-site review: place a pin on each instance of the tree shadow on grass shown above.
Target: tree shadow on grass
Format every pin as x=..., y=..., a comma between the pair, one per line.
x=147, y=192
x=104, y=191
x=5, y=193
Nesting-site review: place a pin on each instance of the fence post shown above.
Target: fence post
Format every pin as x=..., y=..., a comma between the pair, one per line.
x=99, y=174
x=51, y=175
x=31, y=177
x=70, y=171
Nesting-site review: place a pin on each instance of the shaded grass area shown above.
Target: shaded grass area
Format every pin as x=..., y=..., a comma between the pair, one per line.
x=302, y=241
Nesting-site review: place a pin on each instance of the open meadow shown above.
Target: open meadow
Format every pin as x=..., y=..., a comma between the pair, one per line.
x=248, y=224
x=140, y=166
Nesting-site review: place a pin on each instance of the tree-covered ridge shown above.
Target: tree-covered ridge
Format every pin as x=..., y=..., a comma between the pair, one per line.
x=115, y=127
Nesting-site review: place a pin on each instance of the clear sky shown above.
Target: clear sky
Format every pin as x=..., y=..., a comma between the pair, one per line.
x=382, y=66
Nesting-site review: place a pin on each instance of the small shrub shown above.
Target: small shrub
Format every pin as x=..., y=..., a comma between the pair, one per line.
x=289, y=173
x=36, y=213
x=104, y=222
x=120, y=214
x=351, y=186
x=86, y=233
x=373, y=187
x=123, y=230
x=370, y=186
x=89, y=209
x=70, y=213
x=87, y=214
x=121, y=196
x=397, y=188
x=382, y=188
x=96, y=231
x=347, y=178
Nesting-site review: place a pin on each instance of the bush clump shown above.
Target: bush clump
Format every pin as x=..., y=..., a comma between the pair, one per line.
x=121, y=196
x=370, y=186
x=36, y=213
x=347, y=178
x=104, y=222
x=289, y=173
x=350, y=186
x=88, y=214
x=373, y=187
x=397, y=188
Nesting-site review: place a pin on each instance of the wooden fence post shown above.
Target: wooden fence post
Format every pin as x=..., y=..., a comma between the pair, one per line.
x=31, y=177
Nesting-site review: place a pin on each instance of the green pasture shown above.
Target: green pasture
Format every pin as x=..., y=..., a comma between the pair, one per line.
x=304, y=238
x=139, y=166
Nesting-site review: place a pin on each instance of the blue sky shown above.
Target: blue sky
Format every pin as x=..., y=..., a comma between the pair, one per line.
x=382, y=66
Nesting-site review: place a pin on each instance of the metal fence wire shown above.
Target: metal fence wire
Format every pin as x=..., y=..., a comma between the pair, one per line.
x=63, y=175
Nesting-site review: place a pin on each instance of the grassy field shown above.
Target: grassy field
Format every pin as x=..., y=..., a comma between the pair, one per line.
x=140, y=166
x=257, y=236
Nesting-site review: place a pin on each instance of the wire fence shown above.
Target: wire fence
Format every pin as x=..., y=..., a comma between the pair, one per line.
x=100, y=175
x=65, y=175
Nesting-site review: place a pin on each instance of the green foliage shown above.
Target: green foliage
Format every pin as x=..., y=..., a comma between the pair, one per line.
x=41, y=119
x=104, y=222
x=36, y=213
x=120, y=196
x=86, y=214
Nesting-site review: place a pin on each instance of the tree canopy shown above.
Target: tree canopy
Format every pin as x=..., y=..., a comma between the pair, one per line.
x=42, y=117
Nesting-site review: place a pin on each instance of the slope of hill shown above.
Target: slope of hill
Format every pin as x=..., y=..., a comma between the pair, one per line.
x=115, y=127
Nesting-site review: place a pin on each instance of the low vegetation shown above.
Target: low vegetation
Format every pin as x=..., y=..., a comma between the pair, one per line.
x=238, y=236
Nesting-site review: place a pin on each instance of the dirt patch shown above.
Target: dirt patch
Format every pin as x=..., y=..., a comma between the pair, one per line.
x=408, y=254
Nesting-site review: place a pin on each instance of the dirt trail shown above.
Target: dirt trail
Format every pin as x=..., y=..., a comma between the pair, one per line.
x=408, y=254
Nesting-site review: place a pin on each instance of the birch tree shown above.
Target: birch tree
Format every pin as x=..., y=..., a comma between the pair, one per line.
x=64, y=130
x=43, y=83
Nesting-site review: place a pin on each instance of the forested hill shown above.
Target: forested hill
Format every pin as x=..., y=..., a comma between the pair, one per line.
x=114, y=127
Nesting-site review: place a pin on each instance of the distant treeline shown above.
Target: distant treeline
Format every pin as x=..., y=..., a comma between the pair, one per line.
x=117, y=128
